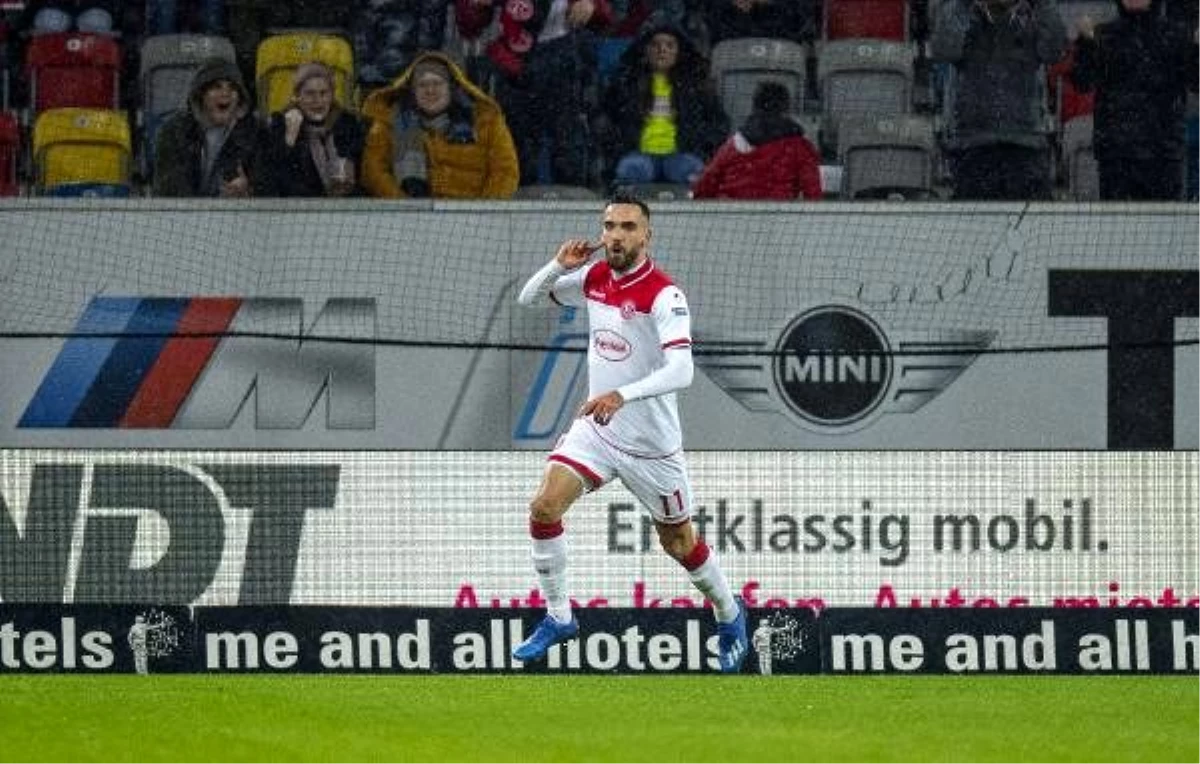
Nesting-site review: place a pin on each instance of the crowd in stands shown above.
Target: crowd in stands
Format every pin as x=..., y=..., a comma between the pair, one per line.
x=704, y=99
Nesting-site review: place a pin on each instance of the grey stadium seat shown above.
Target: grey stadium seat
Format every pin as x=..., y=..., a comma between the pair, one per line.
x=863, y=78
x=1083, y=179
x=738, y=65
x=886, y=156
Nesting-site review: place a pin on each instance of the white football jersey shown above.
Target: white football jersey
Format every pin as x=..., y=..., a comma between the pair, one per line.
x=634, y=320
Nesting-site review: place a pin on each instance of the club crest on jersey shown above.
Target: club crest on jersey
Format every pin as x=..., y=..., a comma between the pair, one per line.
x=628, y=309
x=610, y=346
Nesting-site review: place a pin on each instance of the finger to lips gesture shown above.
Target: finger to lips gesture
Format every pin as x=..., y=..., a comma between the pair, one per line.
x=575, y=252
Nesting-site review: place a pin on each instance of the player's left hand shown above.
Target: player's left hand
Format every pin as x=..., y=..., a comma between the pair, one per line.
x=603, y=407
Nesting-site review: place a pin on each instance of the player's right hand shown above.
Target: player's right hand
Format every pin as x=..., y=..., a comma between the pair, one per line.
x=575, y=252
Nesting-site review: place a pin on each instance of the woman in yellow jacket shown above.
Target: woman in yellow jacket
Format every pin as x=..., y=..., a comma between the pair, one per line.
x=434, y=133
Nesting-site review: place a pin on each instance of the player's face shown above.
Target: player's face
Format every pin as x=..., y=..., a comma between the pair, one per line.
x=626, y=235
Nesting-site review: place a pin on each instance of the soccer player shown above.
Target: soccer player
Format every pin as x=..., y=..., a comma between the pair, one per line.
x=640, y=354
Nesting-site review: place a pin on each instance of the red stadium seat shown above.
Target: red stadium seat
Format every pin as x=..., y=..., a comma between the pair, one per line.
x=870, y=19
x=10, y=143
x=73, y=69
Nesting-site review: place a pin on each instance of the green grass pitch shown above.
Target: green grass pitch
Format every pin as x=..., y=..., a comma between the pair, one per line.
x=598, y=718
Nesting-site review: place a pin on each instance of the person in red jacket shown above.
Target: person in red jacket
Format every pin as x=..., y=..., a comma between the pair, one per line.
x=768, y=158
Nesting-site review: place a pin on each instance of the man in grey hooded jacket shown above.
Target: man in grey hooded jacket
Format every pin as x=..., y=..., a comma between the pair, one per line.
x=208, y=147
x=998, y=137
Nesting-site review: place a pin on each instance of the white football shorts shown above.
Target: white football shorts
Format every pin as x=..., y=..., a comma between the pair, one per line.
x=660, y=483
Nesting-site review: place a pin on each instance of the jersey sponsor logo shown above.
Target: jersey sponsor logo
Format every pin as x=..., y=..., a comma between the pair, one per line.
x=834, y=369
x=197, y=362
x=611, y=346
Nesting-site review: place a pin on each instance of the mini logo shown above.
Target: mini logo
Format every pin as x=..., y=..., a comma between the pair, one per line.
x=628, y=309
x=152, y=634
x=833, y=369
x=833, y=365
x=610, y=345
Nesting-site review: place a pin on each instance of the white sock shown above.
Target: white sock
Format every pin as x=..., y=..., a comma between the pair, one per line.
x=710, y=579
x=550, y=561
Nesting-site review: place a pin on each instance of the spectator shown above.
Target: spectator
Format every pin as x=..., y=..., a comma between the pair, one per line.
x=315, y=146
x=208, y=147
x=434, y=133
x=545, y=59
x=665, y=118
x=768, y=158
x=388, y=34
x=1141, y=66
x=790, y=19
x=999, y=147
x=629, y=17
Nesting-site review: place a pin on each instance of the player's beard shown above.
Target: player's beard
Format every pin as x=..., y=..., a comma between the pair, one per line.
x=621, y=261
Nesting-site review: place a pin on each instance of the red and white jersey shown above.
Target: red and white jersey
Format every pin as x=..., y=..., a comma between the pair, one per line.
x=634, y=320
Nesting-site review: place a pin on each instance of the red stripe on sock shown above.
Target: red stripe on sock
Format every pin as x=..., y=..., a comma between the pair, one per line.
x=545, y=530
x=697, y=557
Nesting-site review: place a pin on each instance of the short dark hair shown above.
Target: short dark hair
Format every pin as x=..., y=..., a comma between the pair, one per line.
x=627, y=196
x=772, y=98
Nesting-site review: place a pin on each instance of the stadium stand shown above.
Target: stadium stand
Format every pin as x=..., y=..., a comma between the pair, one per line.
x=279, y=55
x=867, y=19
x=168, y=63
x=739, y=64
x=73, y=69
x=883, y=157
x=864, y=78
x=82, y=152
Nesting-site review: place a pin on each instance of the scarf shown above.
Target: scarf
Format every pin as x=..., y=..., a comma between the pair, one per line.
x=331, y=166
x=409, y=159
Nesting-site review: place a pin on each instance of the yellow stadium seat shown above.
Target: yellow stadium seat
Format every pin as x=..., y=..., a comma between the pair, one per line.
x=279, y=56
x=81, y=147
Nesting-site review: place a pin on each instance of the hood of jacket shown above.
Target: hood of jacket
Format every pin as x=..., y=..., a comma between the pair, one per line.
x=209, y=72
x=760, y=128
x=691, y=59
x=381, y=103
